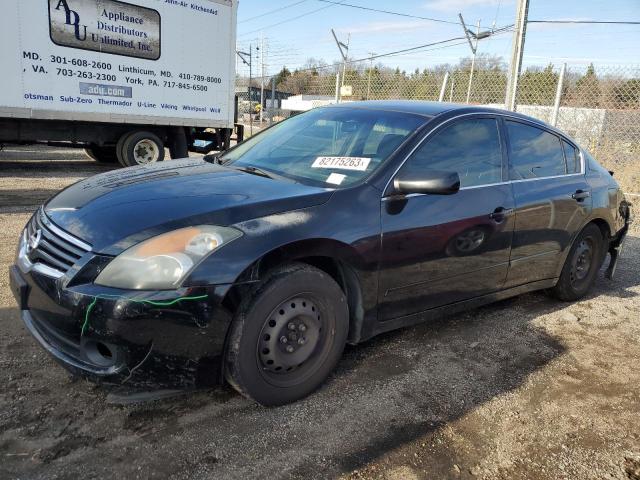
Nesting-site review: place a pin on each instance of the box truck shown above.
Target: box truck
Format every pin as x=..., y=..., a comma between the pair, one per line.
x=123, y=80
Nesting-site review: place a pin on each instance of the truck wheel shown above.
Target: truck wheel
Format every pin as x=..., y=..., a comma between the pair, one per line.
x=102, y=154
x=287, y=335
x=581, y=266
x=140, y=148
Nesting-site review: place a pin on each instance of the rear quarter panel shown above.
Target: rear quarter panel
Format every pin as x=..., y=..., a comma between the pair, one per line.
x=606, y=195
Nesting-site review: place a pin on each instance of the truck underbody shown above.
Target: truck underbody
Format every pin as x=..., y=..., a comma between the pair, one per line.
x=106, y=142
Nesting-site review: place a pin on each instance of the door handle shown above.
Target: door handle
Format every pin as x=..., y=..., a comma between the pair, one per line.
x=580, y=195
x=500, y=213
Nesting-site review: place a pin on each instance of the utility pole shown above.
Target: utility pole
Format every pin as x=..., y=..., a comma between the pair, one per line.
x=344, y=63
x=371, y=55
x=474, y=50
x=517, y=49
x=243, y=56
x=261, y=75
x=344, y=51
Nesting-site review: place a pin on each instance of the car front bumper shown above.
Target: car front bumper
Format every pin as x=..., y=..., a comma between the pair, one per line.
x=144, y=339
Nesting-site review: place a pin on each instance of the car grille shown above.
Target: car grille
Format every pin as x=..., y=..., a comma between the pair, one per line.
x=55, y=249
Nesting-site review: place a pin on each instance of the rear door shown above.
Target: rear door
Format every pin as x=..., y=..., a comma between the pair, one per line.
x=440, y=249
x=552, y=198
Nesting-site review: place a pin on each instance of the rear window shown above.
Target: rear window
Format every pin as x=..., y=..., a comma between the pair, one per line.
x=534, y=153
x=572, y=157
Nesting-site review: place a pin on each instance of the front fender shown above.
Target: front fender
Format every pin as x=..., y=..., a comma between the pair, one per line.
x=345, y=228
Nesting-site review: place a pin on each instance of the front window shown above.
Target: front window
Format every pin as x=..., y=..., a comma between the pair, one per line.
x=470, y=147
x=330, y=147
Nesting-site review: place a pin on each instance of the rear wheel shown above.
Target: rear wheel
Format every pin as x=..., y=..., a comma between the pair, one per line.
x=581, y=266
x=102, y=154
x=140, y=148
x=287, y=336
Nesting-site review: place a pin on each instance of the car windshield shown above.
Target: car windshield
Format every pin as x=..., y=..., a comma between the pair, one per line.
x=330, y=147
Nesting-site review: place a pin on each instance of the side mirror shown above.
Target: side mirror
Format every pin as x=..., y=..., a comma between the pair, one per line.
x=433, y=182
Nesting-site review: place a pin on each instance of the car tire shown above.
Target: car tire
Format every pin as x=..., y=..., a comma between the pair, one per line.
x=139, y=148
x=581, y=266
x=287, y=335
x=102, y=154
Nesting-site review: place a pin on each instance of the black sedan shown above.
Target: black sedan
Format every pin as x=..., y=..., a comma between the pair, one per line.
x=258, y=265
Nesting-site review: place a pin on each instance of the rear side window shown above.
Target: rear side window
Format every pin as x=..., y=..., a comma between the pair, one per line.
x=572, y=157
x=534, y=153
x=469, y=147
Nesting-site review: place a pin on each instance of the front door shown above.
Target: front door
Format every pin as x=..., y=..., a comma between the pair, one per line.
x=440, y=249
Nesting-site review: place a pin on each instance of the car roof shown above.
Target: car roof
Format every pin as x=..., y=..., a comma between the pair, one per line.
x=433, y=109
x=417, y=107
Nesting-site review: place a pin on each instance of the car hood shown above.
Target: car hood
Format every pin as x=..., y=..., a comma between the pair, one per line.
x=117, y=209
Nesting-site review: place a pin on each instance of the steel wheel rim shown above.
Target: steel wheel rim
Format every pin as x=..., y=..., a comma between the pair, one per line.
x=286, y=353
x=582, y=260
x=146, y=151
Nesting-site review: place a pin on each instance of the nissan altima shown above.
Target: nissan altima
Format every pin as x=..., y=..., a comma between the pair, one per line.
x=257, y=265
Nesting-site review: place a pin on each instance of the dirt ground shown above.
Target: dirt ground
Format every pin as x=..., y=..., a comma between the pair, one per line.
x=525, y=388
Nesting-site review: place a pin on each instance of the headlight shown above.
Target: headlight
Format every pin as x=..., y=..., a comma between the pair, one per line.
x=162, y=262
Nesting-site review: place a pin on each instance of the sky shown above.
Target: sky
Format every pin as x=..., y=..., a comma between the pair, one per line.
x=298, y=30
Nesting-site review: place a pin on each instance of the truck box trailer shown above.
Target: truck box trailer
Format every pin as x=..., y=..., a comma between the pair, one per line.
x=121, y=79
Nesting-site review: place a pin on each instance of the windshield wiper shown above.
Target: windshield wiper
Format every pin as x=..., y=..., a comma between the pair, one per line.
x=263, y=173
x=256, y=171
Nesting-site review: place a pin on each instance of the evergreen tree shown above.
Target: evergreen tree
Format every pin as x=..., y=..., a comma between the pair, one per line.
x=282, y=76
x=538, y=87
x=588, y=89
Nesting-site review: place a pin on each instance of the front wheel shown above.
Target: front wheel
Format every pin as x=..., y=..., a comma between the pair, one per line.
x=287, y=336
x=581, y=266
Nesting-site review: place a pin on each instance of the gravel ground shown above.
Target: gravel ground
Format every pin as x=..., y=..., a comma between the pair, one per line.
x=525, y=388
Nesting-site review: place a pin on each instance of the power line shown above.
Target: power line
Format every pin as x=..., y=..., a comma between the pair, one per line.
x=288, y=20
x=394, y=53
x=441, y=47
x=272, y=11
x=429, y=49
x=399, y=14
x=417, y=49
x=585, y=21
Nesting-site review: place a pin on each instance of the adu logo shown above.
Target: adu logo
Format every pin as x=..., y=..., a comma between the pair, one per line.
x=73, y=19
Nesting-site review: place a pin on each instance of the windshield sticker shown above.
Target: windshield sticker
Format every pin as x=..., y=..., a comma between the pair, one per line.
x=342, y=163
x=336, y=178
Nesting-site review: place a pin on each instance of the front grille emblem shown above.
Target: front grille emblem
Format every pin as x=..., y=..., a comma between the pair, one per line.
x=34, y=241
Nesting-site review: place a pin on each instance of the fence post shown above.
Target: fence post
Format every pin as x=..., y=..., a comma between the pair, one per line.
x=337, y=86
x=556, y=105
x=273, y=99
x=444, y=86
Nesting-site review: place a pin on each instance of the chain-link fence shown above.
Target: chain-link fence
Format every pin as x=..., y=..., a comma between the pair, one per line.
x=599, y=107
